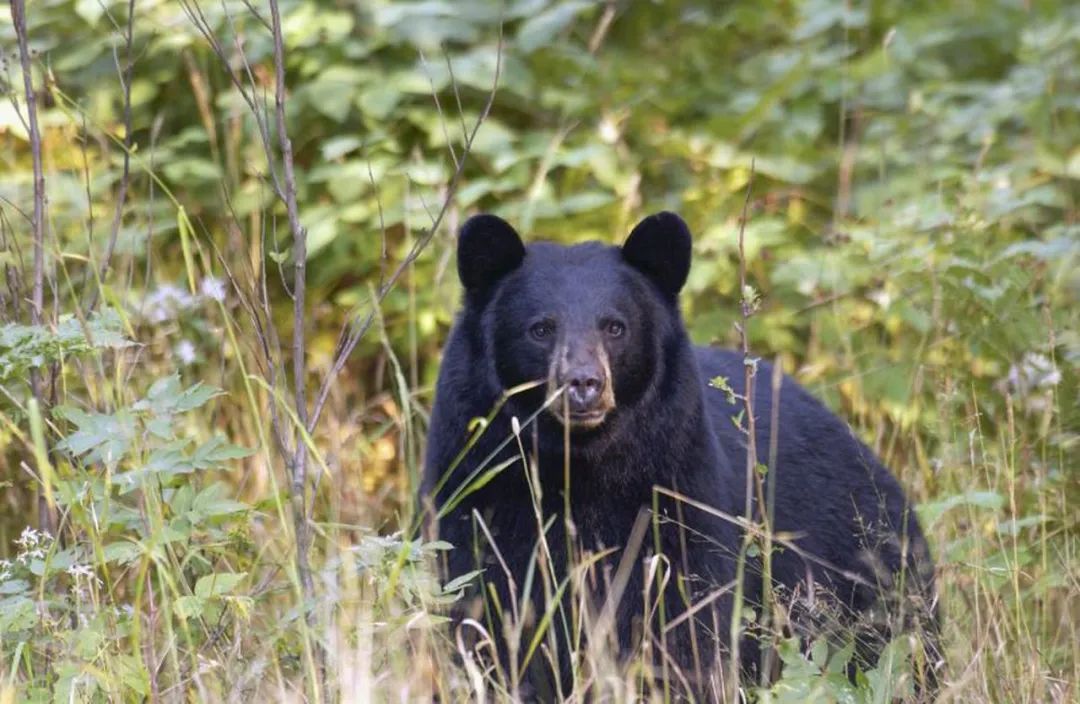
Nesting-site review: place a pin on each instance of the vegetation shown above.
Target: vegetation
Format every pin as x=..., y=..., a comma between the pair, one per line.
x=226, y=265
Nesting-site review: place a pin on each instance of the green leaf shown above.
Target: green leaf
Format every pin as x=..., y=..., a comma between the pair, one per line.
x=218, y=584
x=187, y=607
x=100, y=437
x=24, y=347
x=14, y=586
x=124, y=553
x=211, y=502
x=17, y=613
x=539, y=30
x=460, y=582
x=165, y=397
x=931, y=511
x=216, y=452
x=379, y=100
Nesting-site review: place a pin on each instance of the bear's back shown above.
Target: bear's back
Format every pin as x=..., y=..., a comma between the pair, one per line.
x=846, y=511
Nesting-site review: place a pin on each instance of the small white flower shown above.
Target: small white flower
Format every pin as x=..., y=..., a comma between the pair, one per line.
x=30, y=538
x=83, y=575
x=212, y=288
x=165, y=301
x=609, y=131
x=186, y=351
x=27, y=538
x=882, y=297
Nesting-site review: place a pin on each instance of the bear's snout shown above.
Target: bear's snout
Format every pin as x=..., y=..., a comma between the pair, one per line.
x=584, y=388
x=583, y=374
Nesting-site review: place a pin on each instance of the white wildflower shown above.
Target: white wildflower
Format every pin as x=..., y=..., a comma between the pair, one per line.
x=609, y=130
x=185, y=351
x=165, y=301
x=212, y=288
x=31, y=538
x=1031, y=381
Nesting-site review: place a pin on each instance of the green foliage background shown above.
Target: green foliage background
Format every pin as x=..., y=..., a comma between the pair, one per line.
x=914, y=175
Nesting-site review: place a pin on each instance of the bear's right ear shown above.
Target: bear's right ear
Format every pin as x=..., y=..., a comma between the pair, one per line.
x=488, y=249
x=659, y=247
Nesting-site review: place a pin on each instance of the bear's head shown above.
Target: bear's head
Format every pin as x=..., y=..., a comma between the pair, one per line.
x=600, y=324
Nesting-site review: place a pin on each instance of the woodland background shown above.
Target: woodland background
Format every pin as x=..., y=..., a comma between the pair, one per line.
x=225, y=287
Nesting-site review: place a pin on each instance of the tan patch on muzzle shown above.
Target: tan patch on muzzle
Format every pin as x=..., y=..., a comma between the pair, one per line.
x=560, y=361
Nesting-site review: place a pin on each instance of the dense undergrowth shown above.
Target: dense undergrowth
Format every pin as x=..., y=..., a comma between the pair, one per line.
x=913, y=233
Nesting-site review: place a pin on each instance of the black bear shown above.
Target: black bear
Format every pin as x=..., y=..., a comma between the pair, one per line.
x=579, y=457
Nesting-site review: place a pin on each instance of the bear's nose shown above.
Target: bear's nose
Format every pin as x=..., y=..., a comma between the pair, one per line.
x=583, y=390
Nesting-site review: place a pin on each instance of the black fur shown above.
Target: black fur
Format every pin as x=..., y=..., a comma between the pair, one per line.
x=851, y=527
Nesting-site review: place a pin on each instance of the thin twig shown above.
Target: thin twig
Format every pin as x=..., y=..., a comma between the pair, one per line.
x=299, y=234
x=121, y=196
x=37, y=222
x=749, y=368
x=746, y=308
x=194, y=12
x=37, y=297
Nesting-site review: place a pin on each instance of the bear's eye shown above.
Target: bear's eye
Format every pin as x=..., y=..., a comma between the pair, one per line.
x=542, y=330
x=614, y=328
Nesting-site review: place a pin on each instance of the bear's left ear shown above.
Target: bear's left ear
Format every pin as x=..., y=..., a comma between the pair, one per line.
x=488, y=249
x=659, y=247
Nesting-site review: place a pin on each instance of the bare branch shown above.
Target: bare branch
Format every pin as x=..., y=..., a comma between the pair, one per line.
x=18, y=16
x=299, y=235
x=37, y=296
x=298, y=494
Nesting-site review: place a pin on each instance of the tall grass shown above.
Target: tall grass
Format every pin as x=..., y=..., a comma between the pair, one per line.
x=144, y=593
x=169, y=573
